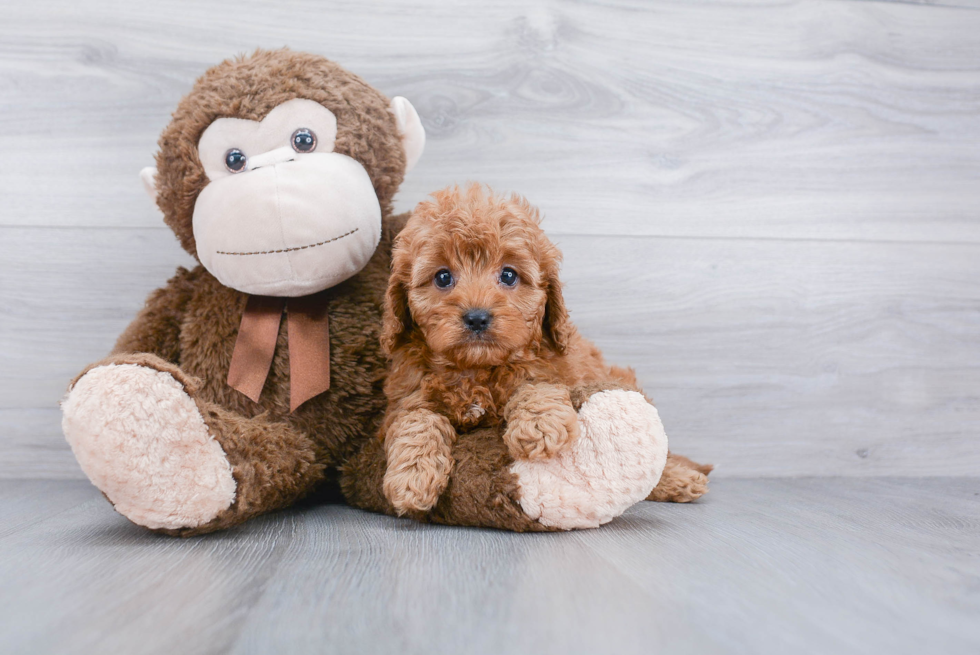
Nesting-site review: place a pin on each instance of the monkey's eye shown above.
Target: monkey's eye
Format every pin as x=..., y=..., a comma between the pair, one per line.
x=304, y=140
x=235, y=160
x=443, y=279
x=508, y=276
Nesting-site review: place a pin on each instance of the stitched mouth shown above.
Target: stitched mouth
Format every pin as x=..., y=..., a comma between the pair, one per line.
x=271, y=252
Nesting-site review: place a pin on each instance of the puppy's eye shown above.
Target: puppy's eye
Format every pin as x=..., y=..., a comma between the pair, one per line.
x=443, y=279
x=235, y=160
x=508, y=276
x=304, y=140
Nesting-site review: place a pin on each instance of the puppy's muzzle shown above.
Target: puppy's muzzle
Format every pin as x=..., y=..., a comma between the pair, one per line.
x=477, y=320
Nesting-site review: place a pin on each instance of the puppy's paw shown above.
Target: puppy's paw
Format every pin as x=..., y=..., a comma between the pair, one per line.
x=541, y=422
x=542, y=436
x=680, y=484
x=416, y=487
x=419, y=452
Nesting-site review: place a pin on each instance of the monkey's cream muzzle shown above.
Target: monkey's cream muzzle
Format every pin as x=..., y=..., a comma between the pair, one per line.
x=288, y=227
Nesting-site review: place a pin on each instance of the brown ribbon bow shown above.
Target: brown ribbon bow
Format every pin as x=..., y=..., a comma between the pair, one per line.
x=309, y=346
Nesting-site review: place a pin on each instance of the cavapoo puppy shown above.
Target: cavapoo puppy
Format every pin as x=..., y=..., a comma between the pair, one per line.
x=478, y=334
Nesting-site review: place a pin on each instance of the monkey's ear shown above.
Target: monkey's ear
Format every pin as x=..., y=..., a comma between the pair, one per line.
x=149, y=177
x=411, y=130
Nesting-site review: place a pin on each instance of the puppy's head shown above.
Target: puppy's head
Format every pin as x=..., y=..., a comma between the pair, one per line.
x=475, y=280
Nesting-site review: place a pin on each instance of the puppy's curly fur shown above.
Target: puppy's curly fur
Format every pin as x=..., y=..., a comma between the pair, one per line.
x=463, y=251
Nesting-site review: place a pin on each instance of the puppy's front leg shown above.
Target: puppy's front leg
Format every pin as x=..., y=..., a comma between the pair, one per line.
x=418, y=445
x=541, y=421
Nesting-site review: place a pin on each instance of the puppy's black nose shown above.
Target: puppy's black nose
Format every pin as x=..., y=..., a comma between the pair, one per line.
x=477, y=320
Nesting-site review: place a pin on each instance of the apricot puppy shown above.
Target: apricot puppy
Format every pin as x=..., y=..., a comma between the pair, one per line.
x=477, y=332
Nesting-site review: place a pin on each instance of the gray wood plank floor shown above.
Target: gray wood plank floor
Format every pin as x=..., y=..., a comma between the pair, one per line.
x=769, y=209
x=823, y=565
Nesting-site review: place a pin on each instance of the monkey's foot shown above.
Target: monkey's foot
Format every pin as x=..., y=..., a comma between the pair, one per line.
x=615, y=463
x=141, y=440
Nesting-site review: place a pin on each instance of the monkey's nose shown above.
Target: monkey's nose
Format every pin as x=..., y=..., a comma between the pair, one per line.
x=271, y=158
x=477, y=320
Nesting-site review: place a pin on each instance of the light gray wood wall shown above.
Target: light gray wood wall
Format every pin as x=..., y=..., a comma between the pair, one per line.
x=771, y=210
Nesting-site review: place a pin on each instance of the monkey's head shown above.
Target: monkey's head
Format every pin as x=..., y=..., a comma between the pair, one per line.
x=276, y=169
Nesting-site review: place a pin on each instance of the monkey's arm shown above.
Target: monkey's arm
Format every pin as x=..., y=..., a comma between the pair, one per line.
x=156, y=329
x=153, y=338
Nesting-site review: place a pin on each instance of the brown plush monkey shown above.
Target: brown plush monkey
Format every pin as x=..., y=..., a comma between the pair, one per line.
x=244, y=382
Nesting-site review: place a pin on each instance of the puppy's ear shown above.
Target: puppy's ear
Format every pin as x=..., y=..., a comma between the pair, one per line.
x=397, y=321
x=557, y=327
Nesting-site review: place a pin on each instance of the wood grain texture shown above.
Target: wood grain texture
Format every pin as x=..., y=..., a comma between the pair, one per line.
x=759, y=566
x=770, y=209
x=800, y=119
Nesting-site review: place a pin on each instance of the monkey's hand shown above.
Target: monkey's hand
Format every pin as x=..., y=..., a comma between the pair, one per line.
x=541, y=421
x=418, y=445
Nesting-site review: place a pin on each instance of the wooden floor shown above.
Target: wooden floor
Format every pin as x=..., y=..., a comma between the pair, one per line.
x=816, y=565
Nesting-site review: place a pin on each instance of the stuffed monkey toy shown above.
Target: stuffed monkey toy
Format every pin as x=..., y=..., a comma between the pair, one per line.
x=250, y=380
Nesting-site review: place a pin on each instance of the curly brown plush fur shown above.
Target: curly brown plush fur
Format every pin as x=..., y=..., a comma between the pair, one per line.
x=517, y=370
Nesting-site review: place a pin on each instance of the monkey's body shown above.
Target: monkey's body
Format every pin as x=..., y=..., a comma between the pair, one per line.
x=157, y=426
